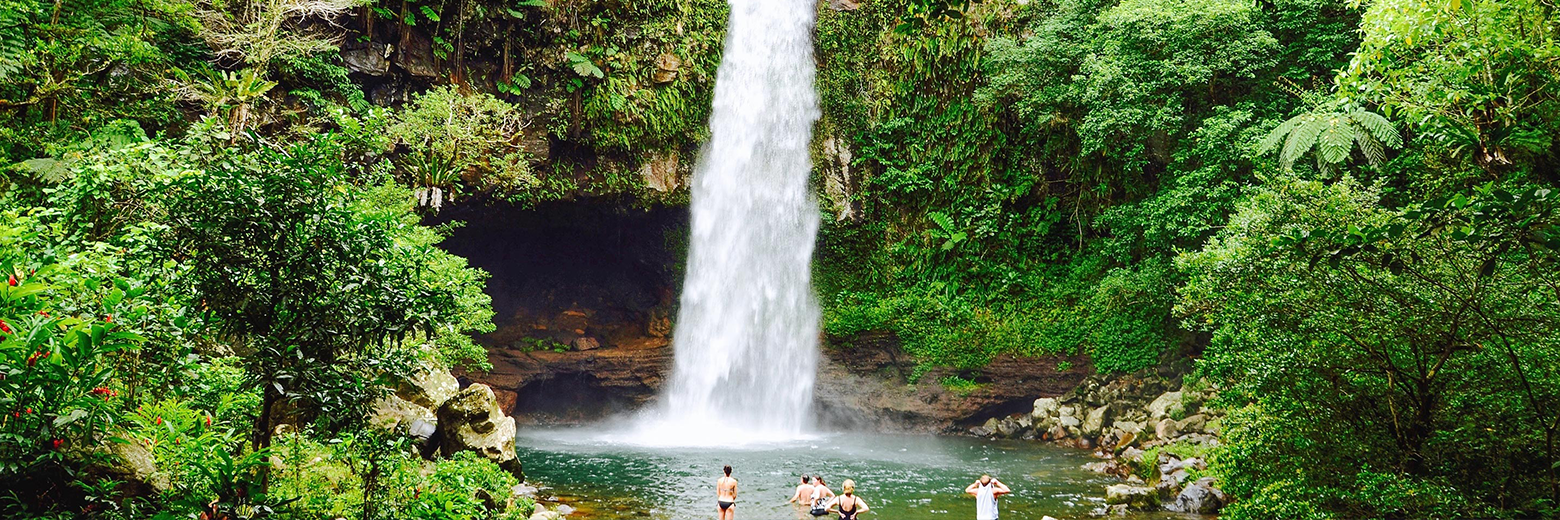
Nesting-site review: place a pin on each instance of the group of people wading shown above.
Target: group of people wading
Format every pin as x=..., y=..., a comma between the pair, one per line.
x=815, y=498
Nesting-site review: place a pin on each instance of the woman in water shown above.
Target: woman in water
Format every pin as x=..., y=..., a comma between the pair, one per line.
x=848, y=505
x=820, y=497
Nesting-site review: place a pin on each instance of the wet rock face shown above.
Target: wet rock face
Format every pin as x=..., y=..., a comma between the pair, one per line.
x=471, y=420
x=863, y=383
x=370, y=59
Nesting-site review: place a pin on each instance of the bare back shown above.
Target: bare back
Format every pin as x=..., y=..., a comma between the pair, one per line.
x=726, y=489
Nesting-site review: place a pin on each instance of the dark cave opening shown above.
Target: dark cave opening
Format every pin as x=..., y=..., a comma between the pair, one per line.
x=568, y=398
x=565, y=270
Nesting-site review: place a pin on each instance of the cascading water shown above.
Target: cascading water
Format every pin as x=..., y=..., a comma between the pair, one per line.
x=747, y=331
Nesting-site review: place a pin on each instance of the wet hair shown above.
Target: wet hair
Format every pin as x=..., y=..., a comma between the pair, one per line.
x=985, y=479
x=848, y=487
x=727, y=469
x=818, y=479
x=806, y=479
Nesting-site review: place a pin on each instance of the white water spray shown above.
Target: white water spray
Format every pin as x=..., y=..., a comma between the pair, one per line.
x=747, y=331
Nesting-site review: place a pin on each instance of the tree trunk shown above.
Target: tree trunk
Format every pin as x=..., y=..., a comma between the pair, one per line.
x=264, y=429
x=406, y=31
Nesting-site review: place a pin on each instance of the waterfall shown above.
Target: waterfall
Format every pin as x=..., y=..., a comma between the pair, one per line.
x=747, y=330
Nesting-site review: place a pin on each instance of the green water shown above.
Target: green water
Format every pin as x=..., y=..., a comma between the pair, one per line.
x=900, y=477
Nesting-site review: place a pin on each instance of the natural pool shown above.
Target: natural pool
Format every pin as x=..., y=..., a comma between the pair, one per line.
x=901, y=477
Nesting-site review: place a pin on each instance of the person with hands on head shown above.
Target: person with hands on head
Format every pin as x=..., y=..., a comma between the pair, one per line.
x=986, y=490
x=848, y=505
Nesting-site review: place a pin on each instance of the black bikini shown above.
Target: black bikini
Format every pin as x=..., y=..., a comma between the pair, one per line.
x=724, y=505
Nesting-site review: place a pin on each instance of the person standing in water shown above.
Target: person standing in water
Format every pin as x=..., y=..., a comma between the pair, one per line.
x=820, y=497
x=848, y=505
x=986, y=490
x=726, y=496
x=803, y=492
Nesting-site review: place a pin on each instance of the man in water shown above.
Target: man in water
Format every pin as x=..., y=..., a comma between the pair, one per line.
x=986, y=490
x=803, y=492
x=803, y=496
x=726, y=496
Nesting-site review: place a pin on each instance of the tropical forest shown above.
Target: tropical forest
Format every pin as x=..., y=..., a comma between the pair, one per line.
x=684, y=259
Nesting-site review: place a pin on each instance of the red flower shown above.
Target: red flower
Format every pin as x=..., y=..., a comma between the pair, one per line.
x=58, y=443
x=5, y=327
x=208, y=420
x=109, y=318
x=159, y=420
x=43, y=313
x=29, y=410
x=12, y=280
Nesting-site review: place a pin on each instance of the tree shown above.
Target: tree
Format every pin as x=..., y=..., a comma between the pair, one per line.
x=1384, y=363
x=320, y=284
x=1475, y=77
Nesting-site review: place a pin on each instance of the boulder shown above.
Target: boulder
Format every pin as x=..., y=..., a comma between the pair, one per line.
x=428, y=387
x=1044, y=407
x=844, y=5
x=393, y=412
x=1192, y=424
x=542, y=514
x=1096, y=420
x=1141, y=498
x=416, y=57
x=1164, y=405
x=1066, y=411
x=1199, y=498
x=1166, y=429
x=1126, y=440
x=471, y=420
x=1008, y=428
x=1130, y=454
x=371, y=59
x=130, y=463
x=1127, y=426
x=1068, y=421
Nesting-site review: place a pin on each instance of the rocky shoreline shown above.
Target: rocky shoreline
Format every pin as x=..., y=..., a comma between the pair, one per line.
x=1149, y=431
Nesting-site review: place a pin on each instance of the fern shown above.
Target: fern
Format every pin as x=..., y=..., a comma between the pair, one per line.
x=1333, y=135
x=13, y=42
x=1336, y=139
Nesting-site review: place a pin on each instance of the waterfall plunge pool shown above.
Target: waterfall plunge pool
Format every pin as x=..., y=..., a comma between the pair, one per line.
x=901, y=477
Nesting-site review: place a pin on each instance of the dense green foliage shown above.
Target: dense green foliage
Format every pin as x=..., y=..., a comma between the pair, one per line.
x=1352, y=201
x=1071, y=146
x=186, y=295
x=1343, y=210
